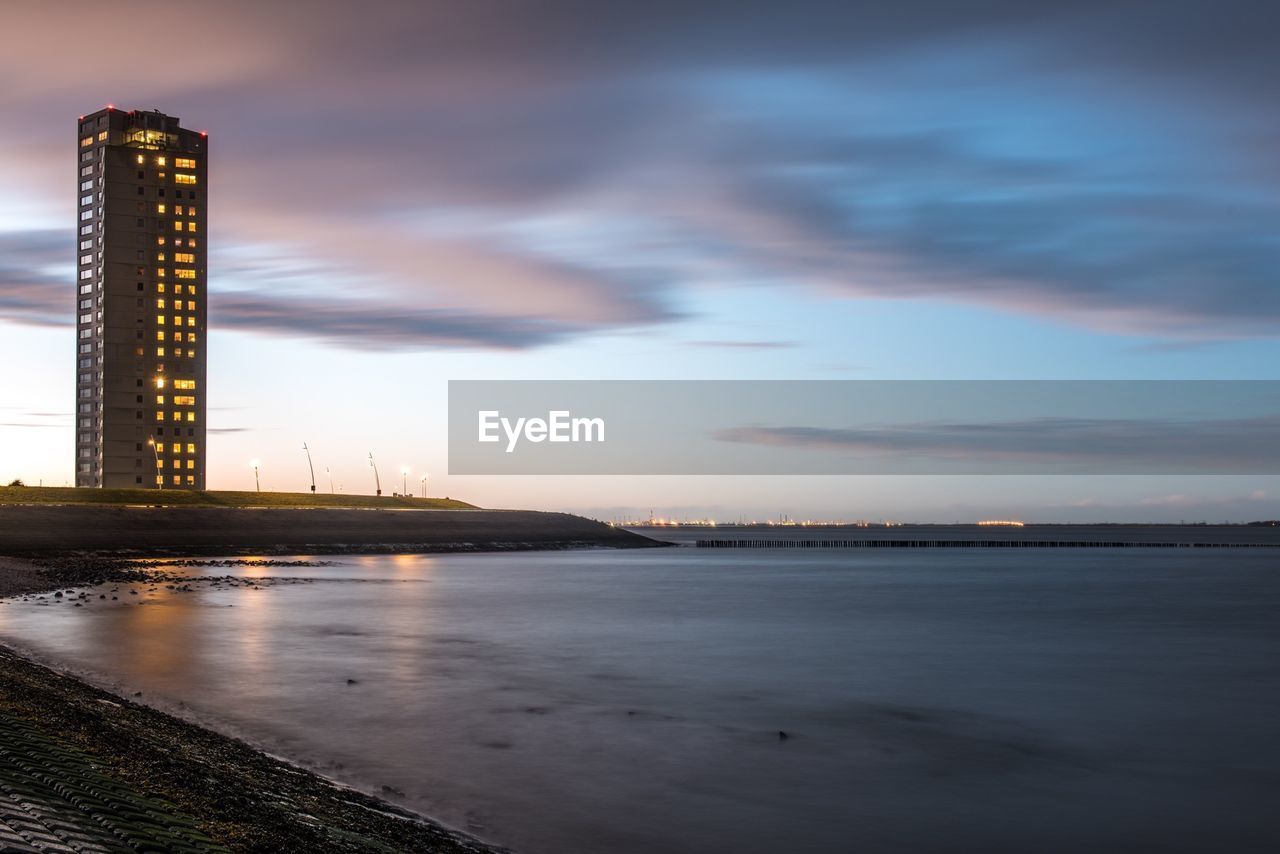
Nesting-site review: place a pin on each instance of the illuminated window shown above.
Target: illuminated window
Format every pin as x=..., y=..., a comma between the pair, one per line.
x=141, y=158
x=191, y=480
x=191, y=289
x=159, y=416
x=191, y=305
x=191, y=241
x=159, y=256
x=102, y=136
x=191, y=337
x=191, y=416
x=159, y=334
x=161, y=240
x=160, y=208
x=160, y=272
x=191, y=447
x=184, y=163
x=184, y=400
x=159, y=287
x=184, y=179
x=177, y=226
x=190, y=464
x=185, y=274
x=160, y=302
x=160, y=319
x=159, y=400
x=177, y=447
x=86, y=142
x=159, y=352
x=191, y=226
x=162, y=161
x=185, y=384
x=160, y=382
x=191, y=321
x=159, y=480
x=177, y=480
x=184, y=258
x=177, y=416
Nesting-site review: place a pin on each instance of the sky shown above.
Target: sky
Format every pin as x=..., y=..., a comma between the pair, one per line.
x=404, y=193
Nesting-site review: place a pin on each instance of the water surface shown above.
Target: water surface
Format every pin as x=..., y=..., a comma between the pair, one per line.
x=633, y=701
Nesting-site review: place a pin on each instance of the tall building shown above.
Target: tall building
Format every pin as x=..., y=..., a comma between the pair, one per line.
x=141, y=301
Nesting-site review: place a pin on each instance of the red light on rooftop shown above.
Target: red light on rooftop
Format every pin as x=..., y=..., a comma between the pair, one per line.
x=204, y=133
x=111, y=106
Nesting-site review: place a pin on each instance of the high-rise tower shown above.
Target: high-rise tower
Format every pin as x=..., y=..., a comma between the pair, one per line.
x=141, y=301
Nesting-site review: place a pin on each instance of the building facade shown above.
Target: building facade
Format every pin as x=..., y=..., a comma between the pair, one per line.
x=141, y=301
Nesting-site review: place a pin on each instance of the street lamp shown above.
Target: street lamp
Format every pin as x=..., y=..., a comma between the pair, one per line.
x=313, y=468
x=155, y=449
x=330, y=474
x=376, y=481
x=404, y=480
x=423, y=481
x=256, y=482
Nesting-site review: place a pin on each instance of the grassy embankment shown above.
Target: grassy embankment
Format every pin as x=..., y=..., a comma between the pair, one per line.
x=212, y=498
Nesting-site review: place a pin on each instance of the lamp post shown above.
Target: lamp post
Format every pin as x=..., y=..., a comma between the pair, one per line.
x=311, y=467
x=404, y=480
x=256, y=482
x=330, y=474
x=155, y=449
x=423, y=482
x=377, y=483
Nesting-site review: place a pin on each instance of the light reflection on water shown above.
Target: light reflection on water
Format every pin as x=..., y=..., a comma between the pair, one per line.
x=632, y=701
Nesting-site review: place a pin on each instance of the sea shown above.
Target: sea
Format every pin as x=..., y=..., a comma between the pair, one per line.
x=743, y=700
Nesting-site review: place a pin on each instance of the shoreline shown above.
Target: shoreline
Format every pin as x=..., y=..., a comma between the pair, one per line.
x=83, y=765
x=233, y=792
x=194, y=788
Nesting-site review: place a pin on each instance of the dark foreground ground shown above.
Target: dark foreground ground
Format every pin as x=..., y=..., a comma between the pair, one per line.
x=35, y=530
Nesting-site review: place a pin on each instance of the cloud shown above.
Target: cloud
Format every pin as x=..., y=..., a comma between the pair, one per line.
x=932, y=216
x=1181, y=500
x=31, y=291
x=744, y=345
x=1156, y=445
x=369, y=325
x=1078, y=164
